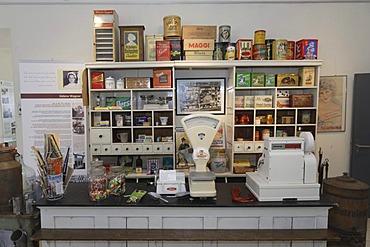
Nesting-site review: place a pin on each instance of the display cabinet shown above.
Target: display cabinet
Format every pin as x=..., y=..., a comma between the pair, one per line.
x=105, y=48
x=131, y=122
x=251, y=112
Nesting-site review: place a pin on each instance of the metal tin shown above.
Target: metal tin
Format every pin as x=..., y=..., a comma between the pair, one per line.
x=259, y=52
x=230, y=51
x=259, y=37
x=172, y=25
x=349, y=219
x=290, y=50
x=224, y=32
x=244, y=49
x=219, y=51
x=269, y=48
x=279, y=49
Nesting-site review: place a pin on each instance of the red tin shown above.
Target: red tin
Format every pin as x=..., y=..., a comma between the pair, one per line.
x=307, y=49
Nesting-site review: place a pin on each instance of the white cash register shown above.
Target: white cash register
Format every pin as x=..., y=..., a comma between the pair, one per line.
x=286, y=170
x=201, y=130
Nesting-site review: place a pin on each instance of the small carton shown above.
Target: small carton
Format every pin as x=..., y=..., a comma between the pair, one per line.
x=244, y=49
x=243, y=79
x=110, y=101
x=150, y=46
x=306, y=49
x=97, y=80
x=176, y=48
x=239, y=101
x=258, y=79
x=105, y=18
x=301, y=100
x=163, y=50
x=123, y=102
x=282, y=102
x=263, y=101
x=162, y=78
x=306, y=76
x=137, y=82
x=270, y=80
x=199, y=32
x=287, y=80
x=248, y=101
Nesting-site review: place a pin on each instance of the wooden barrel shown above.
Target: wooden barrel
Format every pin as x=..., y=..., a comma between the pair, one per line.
x=10, y=177
x=349, y=219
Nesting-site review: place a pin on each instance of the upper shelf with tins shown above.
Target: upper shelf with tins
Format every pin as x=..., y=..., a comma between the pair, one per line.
x=207, y=64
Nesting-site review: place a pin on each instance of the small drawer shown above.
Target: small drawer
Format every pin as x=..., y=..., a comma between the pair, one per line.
x=168, y=147
x=238, y=146
x=106, y=149
x=258, y=147
x=137, y=148
x=95, y=149
x=147, y=148
x=100, y=136
x=248, y=147
x=158, y=148
x=117, y=149
x=126, y=148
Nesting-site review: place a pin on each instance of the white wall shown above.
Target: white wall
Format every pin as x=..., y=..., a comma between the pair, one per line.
x=64, y=32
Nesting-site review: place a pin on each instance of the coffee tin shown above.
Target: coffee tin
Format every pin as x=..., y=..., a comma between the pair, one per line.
x=259, y=37
x=219, y=51
x=230, y=51
x=259, y=52
x=269, y=48
x=279, y=49
x=172, y=26
x=224, y=32
x=290, y=50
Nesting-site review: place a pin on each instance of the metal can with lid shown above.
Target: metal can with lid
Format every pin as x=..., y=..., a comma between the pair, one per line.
x=279, y=49
x=290, y=50
x=259, y=52
x=269, y=48
x=224, y=33
x=172, y=26
x=259, y=37
x=230, y=51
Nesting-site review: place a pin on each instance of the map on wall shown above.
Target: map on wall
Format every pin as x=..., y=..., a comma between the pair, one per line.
x=51, y=101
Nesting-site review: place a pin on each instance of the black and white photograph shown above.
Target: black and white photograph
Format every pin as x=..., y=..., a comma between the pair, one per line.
x=71, y=80
x=206, y=95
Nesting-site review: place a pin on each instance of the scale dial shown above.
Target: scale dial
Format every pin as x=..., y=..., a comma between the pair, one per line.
x=205, y=121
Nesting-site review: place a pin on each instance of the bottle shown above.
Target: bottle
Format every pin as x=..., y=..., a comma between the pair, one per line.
x=97, y=100
x=299, y=131
x=139, y=165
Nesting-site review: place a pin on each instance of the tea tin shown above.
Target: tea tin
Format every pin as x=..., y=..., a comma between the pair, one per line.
x=230, y=51
x=279, y=49
x=259, y=52
x=259, y=37
x=290, y=50
x=224, y=32
x=172, y=26
x=244, y=49
x=269, y=48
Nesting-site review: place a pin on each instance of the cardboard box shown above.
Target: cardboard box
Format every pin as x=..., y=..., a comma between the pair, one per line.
x=306, y=76
x=282, y=94
x=110, y=101
x=200, y=57
x=282, y=102
x=162, y=78
x=199, y=32
x=105, y=18
x=124, y=102
x=263, y=101
x=132, y=43
x=258, y=79
x=198, y=53
x=239, y=101
x=150, y=46
x=163, y=50
x=198, y=45
x=306, y=49
x=287, y=80
x=137, y=82
x=248, y=101
x=243, y=79
x=301, y=100
x=97, y=80
x=270, y=80
x=176, y=48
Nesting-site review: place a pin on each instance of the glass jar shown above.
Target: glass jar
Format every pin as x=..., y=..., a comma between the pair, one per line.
x=116, y=181
x=97, y=184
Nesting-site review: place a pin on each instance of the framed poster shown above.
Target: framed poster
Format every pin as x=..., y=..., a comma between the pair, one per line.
x=200, y=95
x=332, y=103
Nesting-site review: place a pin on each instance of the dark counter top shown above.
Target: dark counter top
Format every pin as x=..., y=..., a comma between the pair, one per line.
x=77, y=196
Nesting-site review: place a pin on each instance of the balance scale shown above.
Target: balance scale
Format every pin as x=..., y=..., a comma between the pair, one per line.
x=286, y=170
x=201, y=129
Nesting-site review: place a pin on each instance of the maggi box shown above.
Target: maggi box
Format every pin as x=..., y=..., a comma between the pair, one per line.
x=198, y=45
x=306, y=49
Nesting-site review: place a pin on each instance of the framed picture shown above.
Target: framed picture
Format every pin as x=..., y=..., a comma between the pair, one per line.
x=200, y=95
x=332, y=103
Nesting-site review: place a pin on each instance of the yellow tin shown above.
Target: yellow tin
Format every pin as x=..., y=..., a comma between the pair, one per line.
x=259, y=37
x=279, y=49
x=172, y=25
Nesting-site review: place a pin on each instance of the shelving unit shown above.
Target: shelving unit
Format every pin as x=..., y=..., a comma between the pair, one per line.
x=241, y=142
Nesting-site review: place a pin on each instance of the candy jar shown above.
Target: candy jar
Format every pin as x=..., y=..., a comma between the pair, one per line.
x=97, y=183
x=116, y=181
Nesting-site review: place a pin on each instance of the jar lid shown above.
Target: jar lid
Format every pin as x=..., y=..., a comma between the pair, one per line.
x=346, y=182
x=116, y=169
x=98, y=171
